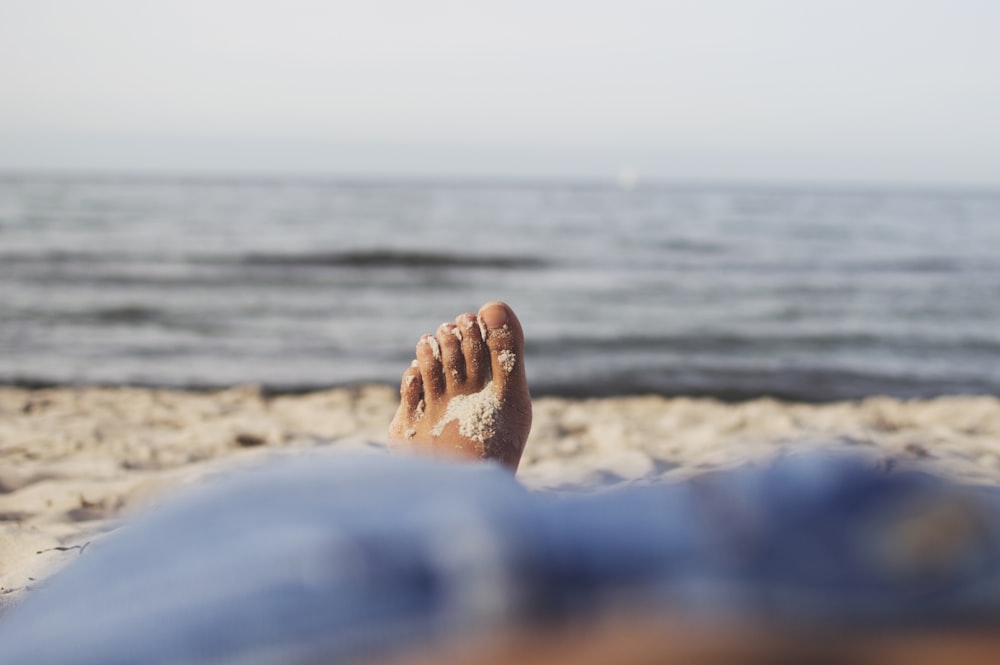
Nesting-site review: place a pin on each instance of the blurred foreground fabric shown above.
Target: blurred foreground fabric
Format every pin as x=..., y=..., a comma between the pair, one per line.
x=330, y=560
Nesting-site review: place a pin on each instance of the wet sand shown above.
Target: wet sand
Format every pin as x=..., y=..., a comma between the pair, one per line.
x=75, y=463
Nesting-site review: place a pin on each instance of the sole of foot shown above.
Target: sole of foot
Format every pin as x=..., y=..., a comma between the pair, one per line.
x=466, y=394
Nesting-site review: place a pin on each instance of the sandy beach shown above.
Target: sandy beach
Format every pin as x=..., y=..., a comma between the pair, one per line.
x=76, y=462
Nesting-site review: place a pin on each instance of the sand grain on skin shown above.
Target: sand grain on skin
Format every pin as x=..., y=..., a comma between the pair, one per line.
x=507, y=360
x=476, y=414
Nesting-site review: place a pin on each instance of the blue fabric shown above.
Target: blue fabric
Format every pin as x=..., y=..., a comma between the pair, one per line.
x=334, y=559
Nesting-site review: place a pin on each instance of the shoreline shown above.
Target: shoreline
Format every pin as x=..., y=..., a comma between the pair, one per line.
x=560, y=390
x=75, y=461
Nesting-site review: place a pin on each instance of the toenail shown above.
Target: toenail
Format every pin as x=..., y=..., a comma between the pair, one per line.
x=494, y=317
x=449, y=328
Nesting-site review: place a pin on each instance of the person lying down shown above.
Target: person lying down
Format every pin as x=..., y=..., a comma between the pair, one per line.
x=423, y=557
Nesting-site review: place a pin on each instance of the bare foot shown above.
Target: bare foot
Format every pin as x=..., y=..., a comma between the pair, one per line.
x=466, y=395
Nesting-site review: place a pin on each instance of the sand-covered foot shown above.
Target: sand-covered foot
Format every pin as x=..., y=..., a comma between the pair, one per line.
x=466, y=395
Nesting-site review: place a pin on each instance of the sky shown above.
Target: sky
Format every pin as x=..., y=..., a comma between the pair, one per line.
x=880, y=91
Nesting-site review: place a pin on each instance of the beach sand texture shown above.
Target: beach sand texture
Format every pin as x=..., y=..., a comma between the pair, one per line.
x=75, y=462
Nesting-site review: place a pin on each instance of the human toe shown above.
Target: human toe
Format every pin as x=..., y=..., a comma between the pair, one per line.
x=430, y=366
x=449, y=339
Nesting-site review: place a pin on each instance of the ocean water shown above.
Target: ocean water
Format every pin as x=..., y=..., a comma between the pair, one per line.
x=732, y=291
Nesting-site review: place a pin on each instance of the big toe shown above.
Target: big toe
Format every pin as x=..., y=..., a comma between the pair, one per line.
x=505, y=339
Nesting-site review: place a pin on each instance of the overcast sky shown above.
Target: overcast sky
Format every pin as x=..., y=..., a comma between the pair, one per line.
x=891, y=91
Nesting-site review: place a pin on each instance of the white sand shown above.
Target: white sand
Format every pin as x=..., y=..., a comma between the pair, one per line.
x=476, y=414
x=74, y=462
x=507, y=360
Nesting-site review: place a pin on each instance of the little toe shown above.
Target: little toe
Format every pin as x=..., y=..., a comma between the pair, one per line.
x=411, y=390
x=411, y=407
x=475, y=351
x=431, y=369
x=505, y=340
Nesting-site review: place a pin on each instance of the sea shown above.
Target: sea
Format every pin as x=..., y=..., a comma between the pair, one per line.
x=734, y=291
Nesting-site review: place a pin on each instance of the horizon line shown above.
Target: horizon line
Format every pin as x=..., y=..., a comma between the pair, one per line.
x=611, y=181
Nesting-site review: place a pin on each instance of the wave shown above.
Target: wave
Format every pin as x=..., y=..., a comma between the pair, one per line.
x=419, y=259
x=814, y=385
x=810, y=385
x=128, y=314
x=731, y=343
x=350, y=259
x=393, y=259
